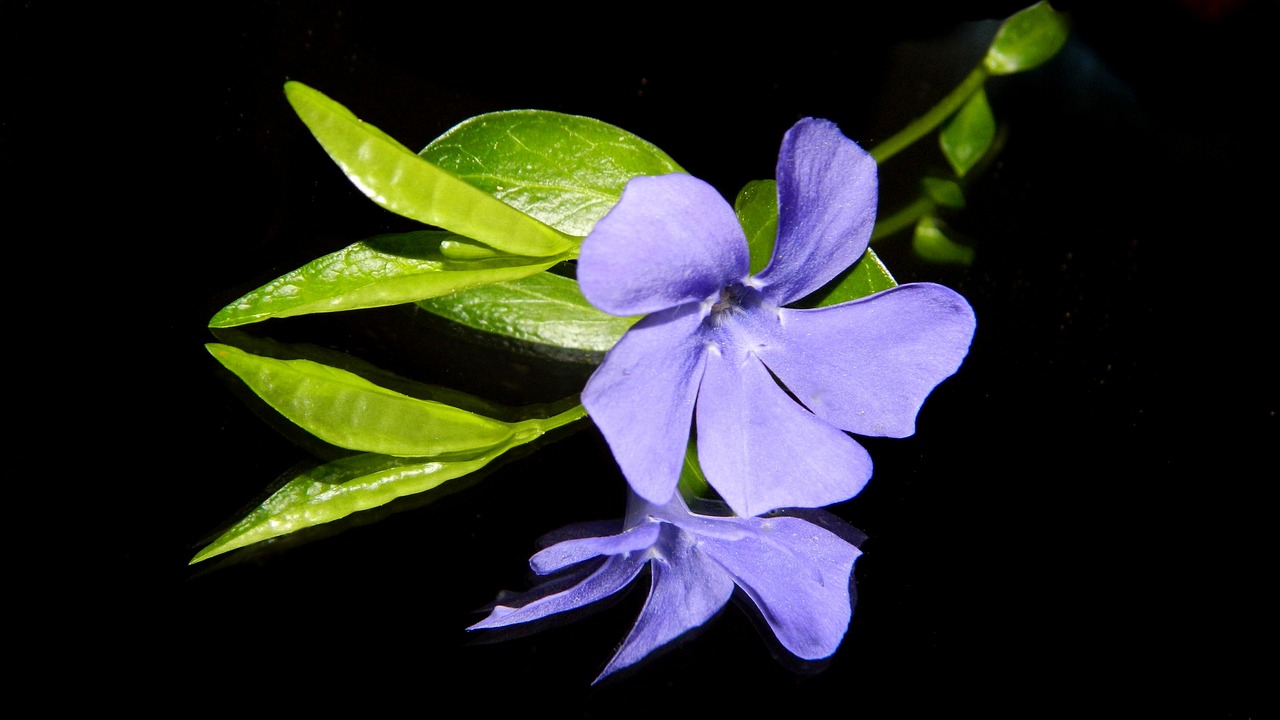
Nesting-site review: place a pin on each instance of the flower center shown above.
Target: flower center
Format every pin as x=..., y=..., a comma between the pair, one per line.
x=733, y=299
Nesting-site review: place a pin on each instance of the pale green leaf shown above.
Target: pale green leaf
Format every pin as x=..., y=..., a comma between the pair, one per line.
x=397, y=179
x=344, y=409
x=380, y=271
x=335, y=490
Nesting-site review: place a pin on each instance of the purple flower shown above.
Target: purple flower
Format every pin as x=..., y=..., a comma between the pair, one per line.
x=774, y=390
x=798, y=574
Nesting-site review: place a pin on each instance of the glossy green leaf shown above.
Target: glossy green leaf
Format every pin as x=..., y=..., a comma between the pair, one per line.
x=340, y=488
x=346, y=410
x=757, y=209
x=941, y=191
x=397, y=179
x=316, y=497
x=968, y=135
x=867, y=277
x=264, y=345
x=931, y=242
x=543, y=309
x=380, y=271
x=565, y=170
x=1027, y=39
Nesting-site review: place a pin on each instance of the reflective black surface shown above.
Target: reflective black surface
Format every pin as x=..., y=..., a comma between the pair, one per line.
x=1078, y=522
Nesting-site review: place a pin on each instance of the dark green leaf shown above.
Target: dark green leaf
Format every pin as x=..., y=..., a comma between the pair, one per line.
x=968, y=134
x=381, y=271
x=757, y=209
x=565, y=170
x=931, y=242
x=866, y=277
x=397, y=179
x=946, y=193
x=1026, y=40
x=543, y=309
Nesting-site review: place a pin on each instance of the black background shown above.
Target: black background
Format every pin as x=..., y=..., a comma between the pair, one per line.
x=1081, y=520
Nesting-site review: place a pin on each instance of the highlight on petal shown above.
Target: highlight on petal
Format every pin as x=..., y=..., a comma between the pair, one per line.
x=827, y=196
x=571, y=552
x=642, y=396
x=614, y=574
x=761, y=451
x=866, y=366
x=671, y=239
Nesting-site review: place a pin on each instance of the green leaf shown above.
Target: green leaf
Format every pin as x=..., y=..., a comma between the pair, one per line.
x=380, y=271
x=1027, y=39
x=757, y=209
x=931, y=242
x=397, y=179
x=346, y=410
x=348, y=485
x=256, y=344
x=335, y=490
x=565, y=170
x=867, y=276
x=941, y=191
x=543, y=309
x=968, y=134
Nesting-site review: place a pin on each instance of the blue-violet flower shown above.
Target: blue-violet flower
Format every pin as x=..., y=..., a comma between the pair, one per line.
x=798, y=573
x=775, y=389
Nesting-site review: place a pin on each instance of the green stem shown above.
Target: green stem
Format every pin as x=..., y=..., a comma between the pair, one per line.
x=902, y=219
x=926, y=123
x=545, y=425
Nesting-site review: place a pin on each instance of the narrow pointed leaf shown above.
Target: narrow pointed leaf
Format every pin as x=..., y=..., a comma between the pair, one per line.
x=397, y=179
x=342, y=487
x=565, y=170
x=380, y=271
x=1027, y=39
x=346, y=410
x=968, y=134
x=265, y=346
x=544, y=309
x=338, y=489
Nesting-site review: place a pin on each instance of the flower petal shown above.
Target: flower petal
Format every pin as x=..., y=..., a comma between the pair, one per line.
x=762, y=451
x=642, y=395
x=571, y=552
x=827, y=195
x=867, y=365
x=613, y=575
x=687, y=590
x=808, y=604
x=671, y=239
